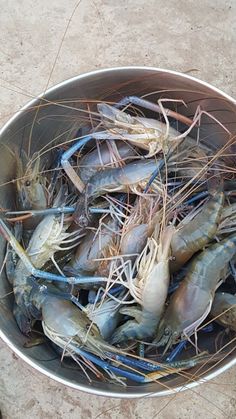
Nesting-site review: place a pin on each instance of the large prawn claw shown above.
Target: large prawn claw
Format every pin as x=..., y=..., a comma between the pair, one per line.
x=146, y=104
x=142, y=327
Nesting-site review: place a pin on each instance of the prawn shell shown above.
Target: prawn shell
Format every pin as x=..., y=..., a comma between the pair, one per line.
x=136, y=172
x=193, y=236
x=105, y=316
x=94, y=161
x=30, y=185
x=92, y=248
x=120, y=179
x=134, y=240
x=191, y=302
x=154, y=298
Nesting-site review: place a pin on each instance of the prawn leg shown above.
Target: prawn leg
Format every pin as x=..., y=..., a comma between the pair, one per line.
x=138, y=101
x=49, y=211
x=71, y=173
x=135, y=362
x=232, y=269
x=176, y=351
x=107, y=366
x=154, y=174
x=141, y=377
x=11, y=256
x=24, y=214
x=67, y=166
x=75, y=280
x=197, y=197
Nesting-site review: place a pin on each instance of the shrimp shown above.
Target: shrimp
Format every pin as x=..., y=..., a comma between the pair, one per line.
x=133, y=177
x=72, y=322
x=192, y=236
x=145, y=133
x=31, y=190
x=149, y=289
x=47, y=239
x=30, y=185
x=192, y=301
x=223, y=310
x=31, y=194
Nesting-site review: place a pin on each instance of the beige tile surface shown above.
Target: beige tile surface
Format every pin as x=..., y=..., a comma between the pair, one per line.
x=181, y=35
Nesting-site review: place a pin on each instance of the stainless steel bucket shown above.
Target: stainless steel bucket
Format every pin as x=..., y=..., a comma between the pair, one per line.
x=57, y=114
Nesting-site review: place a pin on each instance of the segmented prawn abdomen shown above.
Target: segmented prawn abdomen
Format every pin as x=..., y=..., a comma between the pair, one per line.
x=92, y=162
x=102, y=182
x=193, y=236
x=93, y=247
x=120, y=179
x=134, y=240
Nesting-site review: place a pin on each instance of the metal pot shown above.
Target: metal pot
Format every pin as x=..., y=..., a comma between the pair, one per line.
x=59, y=114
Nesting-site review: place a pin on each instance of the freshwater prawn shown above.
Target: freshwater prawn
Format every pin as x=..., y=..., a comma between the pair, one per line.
x=48, y=237
x=149, y=289
x=133, y=177
x=191, y=302
x=31, y=193
x=30, y=184
x=146, y=133
x=192, y=234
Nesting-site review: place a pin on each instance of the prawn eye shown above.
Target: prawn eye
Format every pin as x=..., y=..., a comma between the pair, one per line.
x=167, y=331
x=27, y=183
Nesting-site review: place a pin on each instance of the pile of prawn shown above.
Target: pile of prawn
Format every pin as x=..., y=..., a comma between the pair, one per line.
x=121, y=252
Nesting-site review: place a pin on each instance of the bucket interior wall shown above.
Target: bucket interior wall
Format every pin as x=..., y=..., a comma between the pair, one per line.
x=59, y=116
